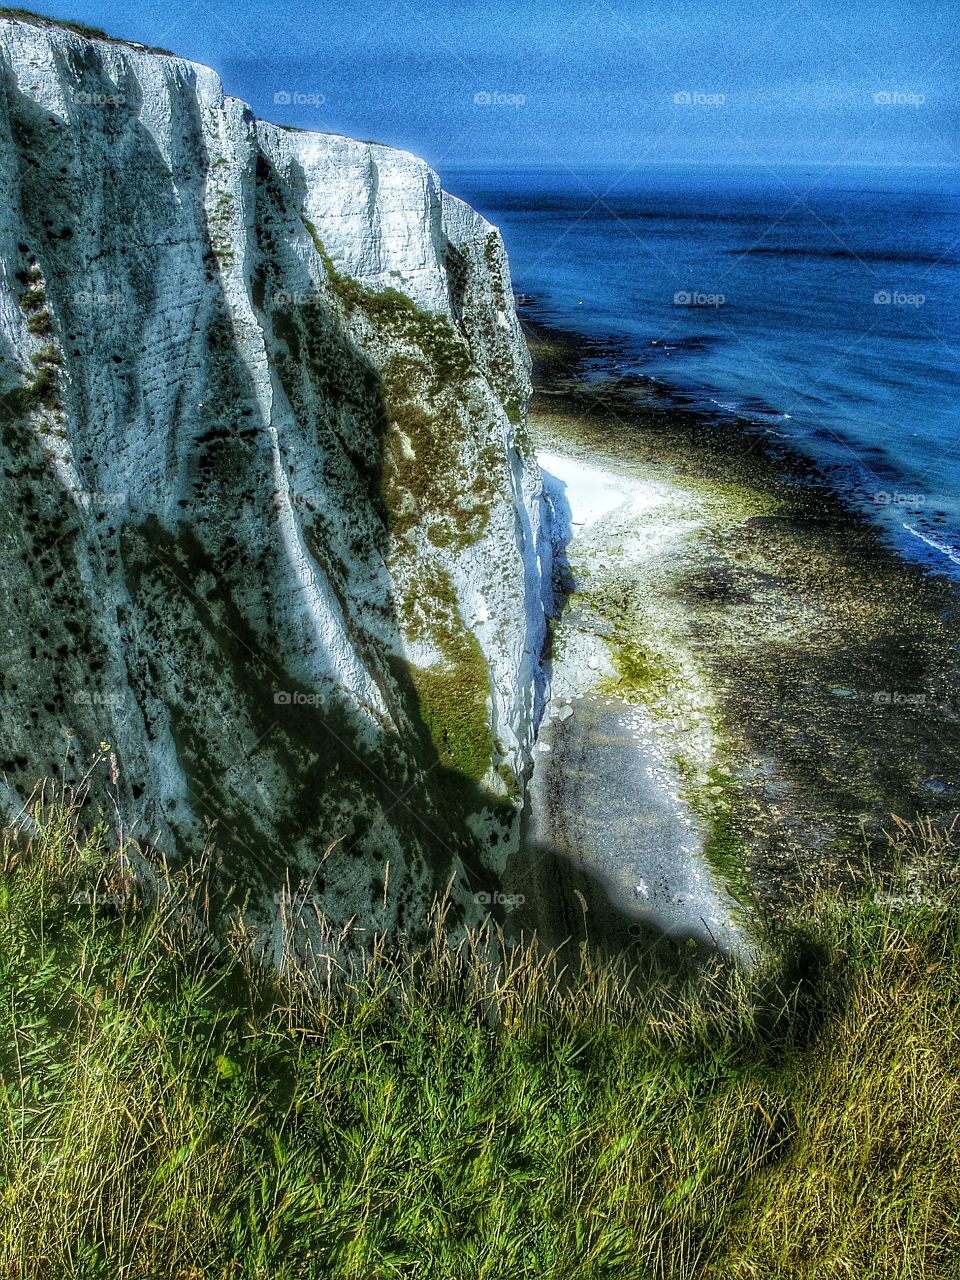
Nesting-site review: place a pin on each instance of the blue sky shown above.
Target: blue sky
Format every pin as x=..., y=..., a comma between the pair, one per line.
x=567, y=83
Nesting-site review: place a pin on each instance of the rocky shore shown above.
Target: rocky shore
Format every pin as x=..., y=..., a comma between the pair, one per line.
x=788, y=681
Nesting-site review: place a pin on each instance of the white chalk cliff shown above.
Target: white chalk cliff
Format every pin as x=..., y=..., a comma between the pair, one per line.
x=269, y=528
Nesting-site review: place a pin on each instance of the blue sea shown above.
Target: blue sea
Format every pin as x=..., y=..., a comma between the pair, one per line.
x=822, y=305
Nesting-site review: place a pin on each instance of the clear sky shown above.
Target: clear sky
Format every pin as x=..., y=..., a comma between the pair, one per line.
x=572, y=82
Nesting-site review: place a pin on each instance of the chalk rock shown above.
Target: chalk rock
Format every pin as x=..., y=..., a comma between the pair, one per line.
x=263, y=393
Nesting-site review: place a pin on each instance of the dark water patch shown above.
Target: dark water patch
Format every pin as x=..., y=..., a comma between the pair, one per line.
x=692, y=342
x=858, y=255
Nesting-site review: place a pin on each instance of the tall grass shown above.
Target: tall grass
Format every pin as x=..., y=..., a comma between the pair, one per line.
x=171, y=1108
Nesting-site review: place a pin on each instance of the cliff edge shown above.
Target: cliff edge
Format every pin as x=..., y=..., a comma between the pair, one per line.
x=269, y=526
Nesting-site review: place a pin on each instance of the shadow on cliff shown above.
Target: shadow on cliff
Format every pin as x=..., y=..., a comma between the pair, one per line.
x=194, y=610
x=190, y=611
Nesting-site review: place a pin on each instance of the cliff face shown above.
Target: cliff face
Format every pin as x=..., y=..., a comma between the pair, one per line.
x=268, y=525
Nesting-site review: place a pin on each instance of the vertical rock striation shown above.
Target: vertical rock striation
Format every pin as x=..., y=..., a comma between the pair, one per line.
x=269, y=527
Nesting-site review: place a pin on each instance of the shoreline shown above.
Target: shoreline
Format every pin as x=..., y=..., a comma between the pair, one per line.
x=573, y=362
x=611, y=819
x=829, y=666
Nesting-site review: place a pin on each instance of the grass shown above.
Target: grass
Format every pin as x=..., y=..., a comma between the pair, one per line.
x=171, y=1108
x=78, y=28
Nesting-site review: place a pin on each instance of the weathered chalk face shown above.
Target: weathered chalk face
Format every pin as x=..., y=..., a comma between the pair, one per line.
x=269, y=527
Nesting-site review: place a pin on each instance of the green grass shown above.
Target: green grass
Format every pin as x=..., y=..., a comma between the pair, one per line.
x=169, y=1108
x=79, y=28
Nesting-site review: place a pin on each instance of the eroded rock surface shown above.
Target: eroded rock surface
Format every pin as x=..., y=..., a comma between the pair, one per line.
x=269, y=527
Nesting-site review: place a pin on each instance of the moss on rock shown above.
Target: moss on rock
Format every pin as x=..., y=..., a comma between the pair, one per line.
x=453, y=698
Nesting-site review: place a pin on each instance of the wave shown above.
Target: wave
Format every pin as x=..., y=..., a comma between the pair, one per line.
x=952, y=553
x=858, y=255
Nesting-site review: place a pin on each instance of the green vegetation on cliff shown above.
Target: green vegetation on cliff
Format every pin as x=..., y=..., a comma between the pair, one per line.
x=168, y=1107
x=447, y=357
x=78, y=28
x=432, y=415
x=452, y=694
x=440, y=469
x=453, y=703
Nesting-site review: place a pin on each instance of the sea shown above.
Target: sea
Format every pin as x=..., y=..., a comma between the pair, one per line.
x=820, y=306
